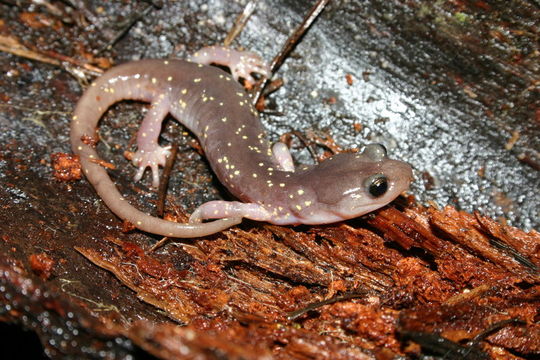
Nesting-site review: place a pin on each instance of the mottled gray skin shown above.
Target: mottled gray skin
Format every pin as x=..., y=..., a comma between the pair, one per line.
x=216, y=109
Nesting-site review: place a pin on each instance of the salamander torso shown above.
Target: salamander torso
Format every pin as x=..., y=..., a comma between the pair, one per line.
x=218, y=111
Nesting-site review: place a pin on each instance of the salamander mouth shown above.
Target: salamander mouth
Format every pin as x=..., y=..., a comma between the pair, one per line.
x=359, y=211
x=321, y=217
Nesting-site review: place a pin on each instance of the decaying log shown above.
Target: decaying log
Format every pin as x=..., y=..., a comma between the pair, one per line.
x=407, y=280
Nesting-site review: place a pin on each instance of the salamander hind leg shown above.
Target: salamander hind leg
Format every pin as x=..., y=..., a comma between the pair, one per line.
x=226, y=209
x=149, y=153
x=241, y=63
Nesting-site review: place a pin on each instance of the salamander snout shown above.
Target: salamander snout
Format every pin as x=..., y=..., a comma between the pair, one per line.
x=378, y=184
x=349, y=185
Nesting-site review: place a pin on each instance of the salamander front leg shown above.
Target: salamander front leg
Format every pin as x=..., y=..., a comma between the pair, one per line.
x=283, y=156
x=226, y=209
x=149, y=153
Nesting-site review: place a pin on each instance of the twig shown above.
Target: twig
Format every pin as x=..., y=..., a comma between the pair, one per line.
x=289, y=46
x=162, y=191
x=240, y=22
x=129, y=24
x=158, y=244
x=495, y=327
x=491, y=329
x=13, y=46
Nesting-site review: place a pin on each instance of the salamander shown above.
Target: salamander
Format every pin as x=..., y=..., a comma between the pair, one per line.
x=214, y=106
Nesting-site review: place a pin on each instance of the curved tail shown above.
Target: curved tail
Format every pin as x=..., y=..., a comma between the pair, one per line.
x=114, y=86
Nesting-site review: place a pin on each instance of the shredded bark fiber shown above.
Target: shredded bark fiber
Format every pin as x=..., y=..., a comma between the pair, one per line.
x=414, y=280
x=445, y=278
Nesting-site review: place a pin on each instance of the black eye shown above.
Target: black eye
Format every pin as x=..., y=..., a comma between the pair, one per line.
x=377, y=185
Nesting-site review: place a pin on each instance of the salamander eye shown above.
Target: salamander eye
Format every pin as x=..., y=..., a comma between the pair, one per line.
x=377, y=185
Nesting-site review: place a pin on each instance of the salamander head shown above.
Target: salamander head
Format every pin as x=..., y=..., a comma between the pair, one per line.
x=349, y=185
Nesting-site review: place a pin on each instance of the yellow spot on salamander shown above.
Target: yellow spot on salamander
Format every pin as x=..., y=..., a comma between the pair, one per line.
x=169, y=78
x=196, y=80
x=224, y=119
x=300, y=192
x=298, y=207
x=281, y=185
x=184, y=91
x=154, y=80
